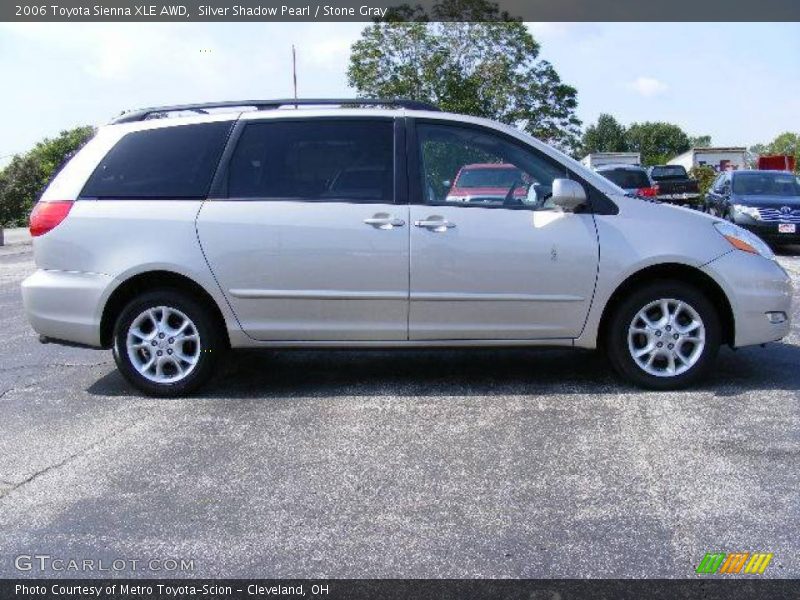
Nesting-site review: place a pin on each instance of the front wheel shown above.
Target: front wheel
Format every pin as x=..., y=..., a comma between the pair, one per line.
x=166, y=343
x=664, y=336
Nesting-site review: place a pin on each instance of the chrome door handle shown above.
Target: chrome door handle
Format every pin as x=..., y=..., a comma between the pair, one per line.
x=439, y=224
x=384, y=221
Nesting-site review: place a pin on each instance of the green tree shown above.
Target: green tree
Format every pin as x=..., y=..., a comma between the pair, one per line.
x=657, y=142
x=488, y=68
x=24, y=178
x=705, y=176
x=700, y=141
x=607, y=135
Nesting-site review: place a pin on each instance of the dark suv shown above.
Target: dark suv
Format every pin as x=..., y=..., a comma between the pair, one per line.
x=765, y=202
x=631, y=178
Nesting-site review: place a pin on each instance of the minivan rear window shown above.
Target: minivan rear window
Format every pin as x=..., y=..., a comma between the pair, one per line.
x=168, y=162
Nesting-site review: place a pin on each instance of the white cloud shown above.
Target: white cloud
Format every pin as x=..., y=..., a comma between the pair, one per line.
x=648, y=86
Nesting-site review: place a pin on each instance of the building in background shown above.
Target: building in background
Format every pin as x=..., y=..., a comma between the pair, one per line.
x=598, y=159
x=721, y=159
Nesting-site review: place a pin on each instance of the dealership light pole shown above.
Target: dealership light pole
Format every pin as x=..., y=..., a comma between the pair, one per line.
x=294, y=72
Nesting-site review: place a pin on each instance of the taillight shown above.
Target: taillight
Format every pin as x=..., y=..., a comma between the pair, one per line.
x=48, y=215
x=648, y=192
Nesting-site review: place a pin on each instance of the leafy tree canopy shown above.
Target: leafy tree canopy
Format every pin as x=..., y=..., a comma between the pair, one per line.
x=489, y=67
x=607, y=135
x=24, y=178
x=657, y=142
x=700, y=141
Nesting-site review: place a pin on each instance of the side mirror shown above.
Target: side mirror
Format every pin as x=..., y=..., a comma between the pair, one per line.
x=446, y=183
x=568, y=194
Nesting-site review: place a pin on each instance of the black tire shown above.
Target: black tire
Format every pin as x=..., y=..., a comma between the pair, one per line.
x=616, y=339
x=211, y=345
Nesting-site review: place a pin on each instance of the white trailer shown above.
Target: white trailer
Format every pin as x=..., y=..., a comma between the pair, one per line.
x=598, y=159
x=720, y=159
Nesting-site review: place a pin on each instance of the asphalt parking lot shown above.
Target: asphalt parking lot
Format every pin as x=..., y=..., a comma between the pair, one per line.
x=512, y=463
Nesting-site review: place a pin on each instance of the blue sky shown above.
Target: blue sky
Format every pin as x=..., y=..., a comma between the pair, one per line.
x=736, y=82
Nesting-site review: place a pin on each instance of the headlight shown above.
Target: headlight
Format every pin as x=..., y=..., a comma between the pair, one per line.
x=750, y=211
x=743, y=240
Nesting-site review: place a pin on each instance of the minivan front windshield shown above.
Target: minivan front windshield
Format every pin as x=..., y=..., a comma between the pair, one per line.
x=756, y=183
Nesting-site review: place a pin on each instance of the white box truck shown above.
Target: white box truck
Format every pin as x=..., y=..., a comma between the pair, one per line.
x=598, y=159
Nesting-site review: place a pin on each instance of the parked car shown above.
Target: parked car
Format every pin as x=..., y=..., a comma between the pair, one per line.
x=171, y=240
x=633, y=179
x=487, y=183
x=764, y=202
x=674, y=185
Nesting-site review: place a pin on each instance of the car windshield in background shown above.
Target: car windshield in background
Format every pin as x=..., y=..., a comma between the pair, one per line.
x=668, y=172
x=627, y=178
x=766, y=184
x=502, y=178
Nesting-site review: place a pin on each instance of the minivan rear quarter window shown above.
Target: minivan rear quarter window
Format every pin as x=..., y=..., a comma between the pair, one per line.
x=168, y=162
x=334, y=160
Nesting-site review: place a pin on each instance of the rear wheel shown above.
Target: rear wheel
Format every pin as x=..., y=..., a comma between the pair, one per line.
x=166, y=343
x=664, y=336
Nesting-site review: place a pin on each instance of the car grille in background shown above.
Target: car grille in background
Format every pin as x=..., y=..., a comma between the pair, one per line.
x=776, y=215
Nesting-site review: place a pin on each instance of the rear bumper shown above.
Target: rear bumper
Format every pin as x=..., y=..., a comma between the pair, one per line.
x=681, y=198
x=755, y=287
x=66, y=305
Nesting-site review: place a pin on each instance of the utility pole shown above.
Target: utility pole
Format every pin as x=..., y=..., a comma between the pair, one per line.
x=294, y=73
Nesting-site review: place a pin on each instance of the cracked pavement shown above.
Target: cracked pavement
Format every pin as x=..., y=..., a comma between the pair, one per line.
x=500, y=463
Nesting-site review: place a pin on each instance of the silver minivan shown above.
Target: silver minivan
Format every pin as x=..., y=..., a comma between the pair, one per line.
x=179, y=232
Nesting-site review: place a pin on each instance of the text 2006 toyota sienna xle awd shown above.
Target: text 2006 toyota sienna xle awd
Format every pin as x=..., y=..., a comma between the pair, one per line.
x=170, y=240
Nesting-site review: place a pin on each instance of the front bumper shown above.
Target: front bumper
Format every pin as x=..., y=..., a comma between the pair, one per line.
x=755, y=287
x=769, y=231
x=66, y=305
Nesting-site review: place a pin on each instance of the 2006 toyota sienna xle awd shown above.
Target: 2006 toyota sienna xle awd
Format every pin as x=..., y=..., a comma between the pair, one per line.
x=170, y=239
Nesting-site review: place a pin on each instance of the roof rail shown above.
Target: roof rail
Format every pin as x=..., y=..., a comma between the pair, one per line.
x=142, y=114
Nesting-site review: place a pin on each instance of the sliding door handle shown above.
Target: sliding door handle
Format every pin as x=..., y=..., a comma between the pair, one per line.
x=384, y=221
x=437, y=224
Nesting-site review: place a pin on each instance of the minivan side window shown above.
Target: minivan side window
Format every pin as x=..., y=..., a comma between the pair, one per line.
x=167, y=162
x=322, y=160
x=468, y=166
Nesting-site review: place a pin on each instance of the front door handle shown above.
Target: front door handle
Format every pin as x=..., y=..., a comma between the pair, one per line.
x=435, y=223
x=384, y=221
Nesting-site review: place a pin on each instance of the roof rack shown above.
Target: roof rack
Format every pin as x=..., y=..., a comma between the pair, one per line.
x=142, y=114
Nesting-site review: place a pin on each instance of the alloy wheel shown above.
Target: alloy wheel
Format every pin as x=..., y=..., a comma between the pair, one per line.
x=163, y=344
x=666, y=337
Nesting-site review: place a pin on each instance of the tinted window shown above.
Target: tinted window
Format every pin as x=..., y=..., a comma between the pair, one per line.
x=507, y=175
x=766, y=184
x=676, y=172
x=318, y=159
x=627, y=178
x=169, y=162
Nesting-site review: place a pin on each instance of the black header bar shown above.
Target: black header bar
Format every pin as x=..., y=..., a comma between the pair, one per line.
x=368, y=10
x=400, y=589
